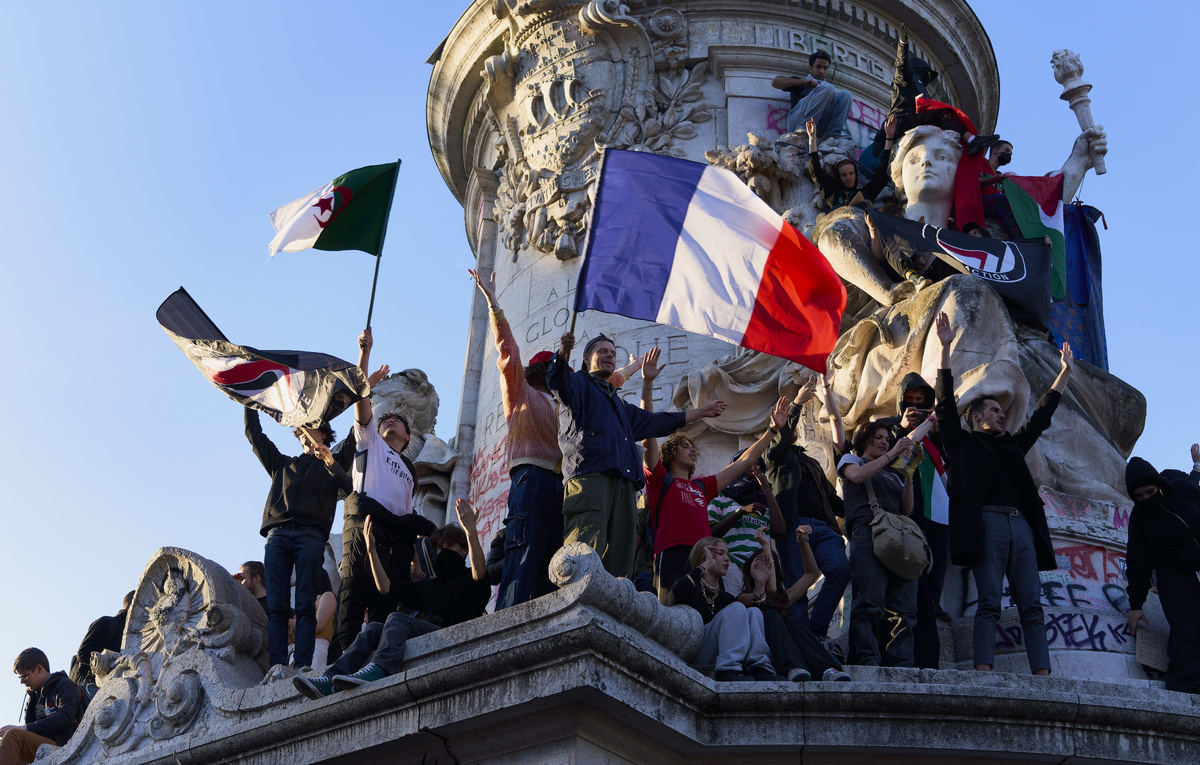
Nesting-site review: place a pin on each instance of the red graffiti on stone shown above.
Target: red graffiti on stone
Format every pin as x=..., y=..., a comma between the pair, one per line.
x=489, y=485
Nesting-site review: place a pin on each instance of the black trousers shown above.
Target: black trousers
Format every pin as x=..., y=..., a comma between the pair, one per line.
x=1179, y=592
x=794, y=646
x=395, y=537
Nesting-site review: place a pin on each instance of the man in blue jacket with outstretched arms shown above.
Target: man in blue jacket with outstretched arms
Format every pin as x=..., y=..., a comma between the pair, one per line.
x=598, y=433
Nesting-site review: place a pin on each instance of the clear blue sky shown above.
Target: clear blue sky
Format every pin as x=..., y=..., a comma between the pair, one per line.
x=146, y=142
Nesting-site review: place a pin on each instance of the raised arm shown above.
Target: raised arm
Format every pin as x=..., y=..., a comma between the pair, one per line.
x=947, y=407
x=382, y=582
x=1091, y=143
x=774, y=513
x=835, y=414
x=650, y=372
x=468, y=518
x=882, y=174
x=1068, y=366
x=734, y=470
x=1195, y=474
x=266, y=451
x=811, y=571
x=362, y=408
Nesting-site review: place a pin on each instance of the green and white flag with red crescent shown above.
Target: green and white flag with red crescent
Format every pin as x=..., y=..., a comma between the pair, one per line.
x=348, y=213
x=1036, y=204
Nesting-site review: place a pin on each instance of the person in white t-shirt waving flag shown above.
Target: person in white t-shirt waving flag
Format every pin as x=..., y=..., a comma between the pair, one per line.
x=383, y=480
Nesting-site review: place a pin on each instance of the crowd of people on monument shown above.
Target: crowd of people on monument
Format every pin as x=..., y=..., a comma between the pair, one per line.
x=744, y=546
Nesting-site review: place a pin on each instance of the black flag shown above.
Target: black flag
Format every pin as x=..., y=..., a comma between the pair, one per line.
x=297, y=388
x=1019, y=270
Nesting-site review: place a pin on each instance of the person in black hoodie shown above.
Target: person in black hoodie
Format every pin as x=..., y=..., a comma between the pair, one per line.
x=296, y=522
x=52, y=709
x=455, y=595
x=1164, y=538
x=104, y=634
x=997, y=520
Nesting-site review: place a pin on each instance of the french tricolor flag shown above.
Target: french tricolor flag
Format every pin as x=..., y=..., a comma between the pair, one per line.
x=691, y=246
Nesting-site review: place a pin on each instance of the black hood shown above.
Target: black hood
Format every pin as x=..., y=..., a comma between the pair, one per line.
x=913, y=381
x=1140, y=473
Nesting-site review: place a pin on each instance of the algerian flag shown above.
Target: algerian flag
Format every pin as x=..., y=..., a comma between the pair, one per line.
x=348, y=213
x=1037, y=206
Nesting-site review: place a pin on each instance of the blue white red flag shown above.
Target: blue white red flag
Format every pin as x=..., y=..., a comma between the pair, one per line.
x=691, y=246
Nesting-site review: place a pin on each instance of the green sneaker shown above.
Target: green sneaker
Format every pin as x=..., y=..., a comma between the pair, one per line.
x=314, y=687
x=367, y=674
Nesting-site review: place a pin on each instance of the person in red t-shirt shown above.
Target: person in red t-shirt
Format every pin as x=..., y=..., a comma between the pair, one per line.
x=683, y=518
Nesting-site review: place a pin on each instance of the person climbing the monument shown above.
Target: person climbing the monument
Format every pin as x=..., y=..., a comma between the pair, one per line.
x=253, y=576
x=105, y=633
x=795, y=650
x=533, y=527
x=678, y=502
x=456, y=595
x=884, y=604
x=807, y=498
x=296, y=522
x=812, y=98
x=843, y=190
x=598, y=434
x=1164, y=540
x=383, y=480
x=915, y=401
x=997, y=519
x=733, y=639
x=53, y=707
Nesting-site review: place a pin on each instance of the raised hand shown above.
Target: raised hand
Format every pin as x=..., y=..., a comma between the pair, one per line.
x=889, y=127
x=710, y=561
x=366, y=340
x=323, y=454
x=1068, y=359
x=650, y=366
x=566, y=343
x=779, y=414
x=807, y=391
x=713, y=409
x=1196, y=453
x=467, y=515
x=760, y=569
x=488, y=287
x=945, y=332
x=811, y=128
x=802, y=533
x=378, y=375
x=757, y=474
x=369, y=533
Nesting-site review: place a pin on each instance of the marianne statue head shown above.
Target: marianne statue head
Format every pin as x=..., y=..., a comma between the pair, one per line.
x=924, y=163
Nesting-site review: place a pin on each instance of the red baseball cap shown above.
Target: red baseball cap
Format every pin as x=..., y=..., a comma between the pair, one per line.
x=541, y=356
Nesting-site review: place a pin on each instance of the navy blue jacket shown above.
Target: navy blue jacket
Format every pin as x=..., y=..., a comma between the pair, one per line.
x=597, y=430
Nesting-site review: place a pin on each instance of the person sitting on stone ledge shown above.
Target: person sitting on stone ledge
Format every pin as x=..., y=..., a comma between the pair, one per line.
x=806, y=497
x=598, y=433
x=844, y=190
x=795, y=650
x=678, y=503
x=296, y=522
x=104, y=634
x=883, y=603
x=53, y=708
x=383, y=478
x=456, y=595
x=744, y=508
x=733, y=641
x=997, y=519
x=1164, y=538
x=815, y=99
x=253, y=576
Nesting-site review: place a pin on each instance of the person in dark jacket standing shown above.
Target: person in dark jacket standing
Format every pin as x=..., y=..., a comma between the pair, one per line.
x=807, y=498
x=844, y=190
x=104, y=634
x=1164, y=538
x=52, y=709
x=598, y=433
x=997, y=520
x=296, y=522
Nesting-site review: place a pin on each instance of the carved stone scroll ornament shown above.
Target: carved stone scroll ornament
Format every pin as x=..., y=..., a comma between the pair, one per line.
x=193, y=655
x=577, y=568
x=575, y=78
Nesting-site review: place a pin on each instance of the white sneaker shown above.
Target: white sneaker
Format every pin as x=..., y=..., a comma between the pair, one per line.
x=836, y=674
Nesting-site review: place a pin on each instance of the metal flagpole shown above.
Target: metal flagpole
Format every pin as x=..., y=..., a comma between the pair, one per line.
x=382, y=234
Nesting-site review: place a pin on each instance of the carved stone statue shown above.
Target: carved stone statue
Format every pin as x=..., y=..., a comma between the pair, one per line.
x=1068, y=71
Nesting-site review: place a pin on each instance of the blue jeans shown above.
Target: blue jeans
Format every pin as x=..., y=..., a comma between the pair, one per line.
x=532, y=530
x=303, y=547
x=1008, y=550
x=827, y=105
x=830, y=553
x=880, y=599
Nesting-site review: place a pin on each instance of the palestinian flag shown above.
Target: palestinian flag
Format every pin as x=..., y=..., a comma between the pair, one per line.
x=296, y=388
x=932, y=475
x=1036, y=204
x=348, y=213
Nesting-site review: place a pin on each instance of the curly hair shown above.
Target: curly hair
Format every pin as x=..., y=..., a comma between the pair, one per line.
x=450, y=534
x=671, y=448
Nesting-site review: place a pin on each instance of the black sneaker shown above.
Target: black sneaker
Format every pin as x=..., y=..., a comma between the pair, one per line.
x=731, y=676
x=980, y=143
x=764, y=675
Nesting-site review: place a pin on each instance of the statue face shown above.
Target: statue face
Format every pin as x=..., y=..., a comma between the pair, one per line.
x=929, y=171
